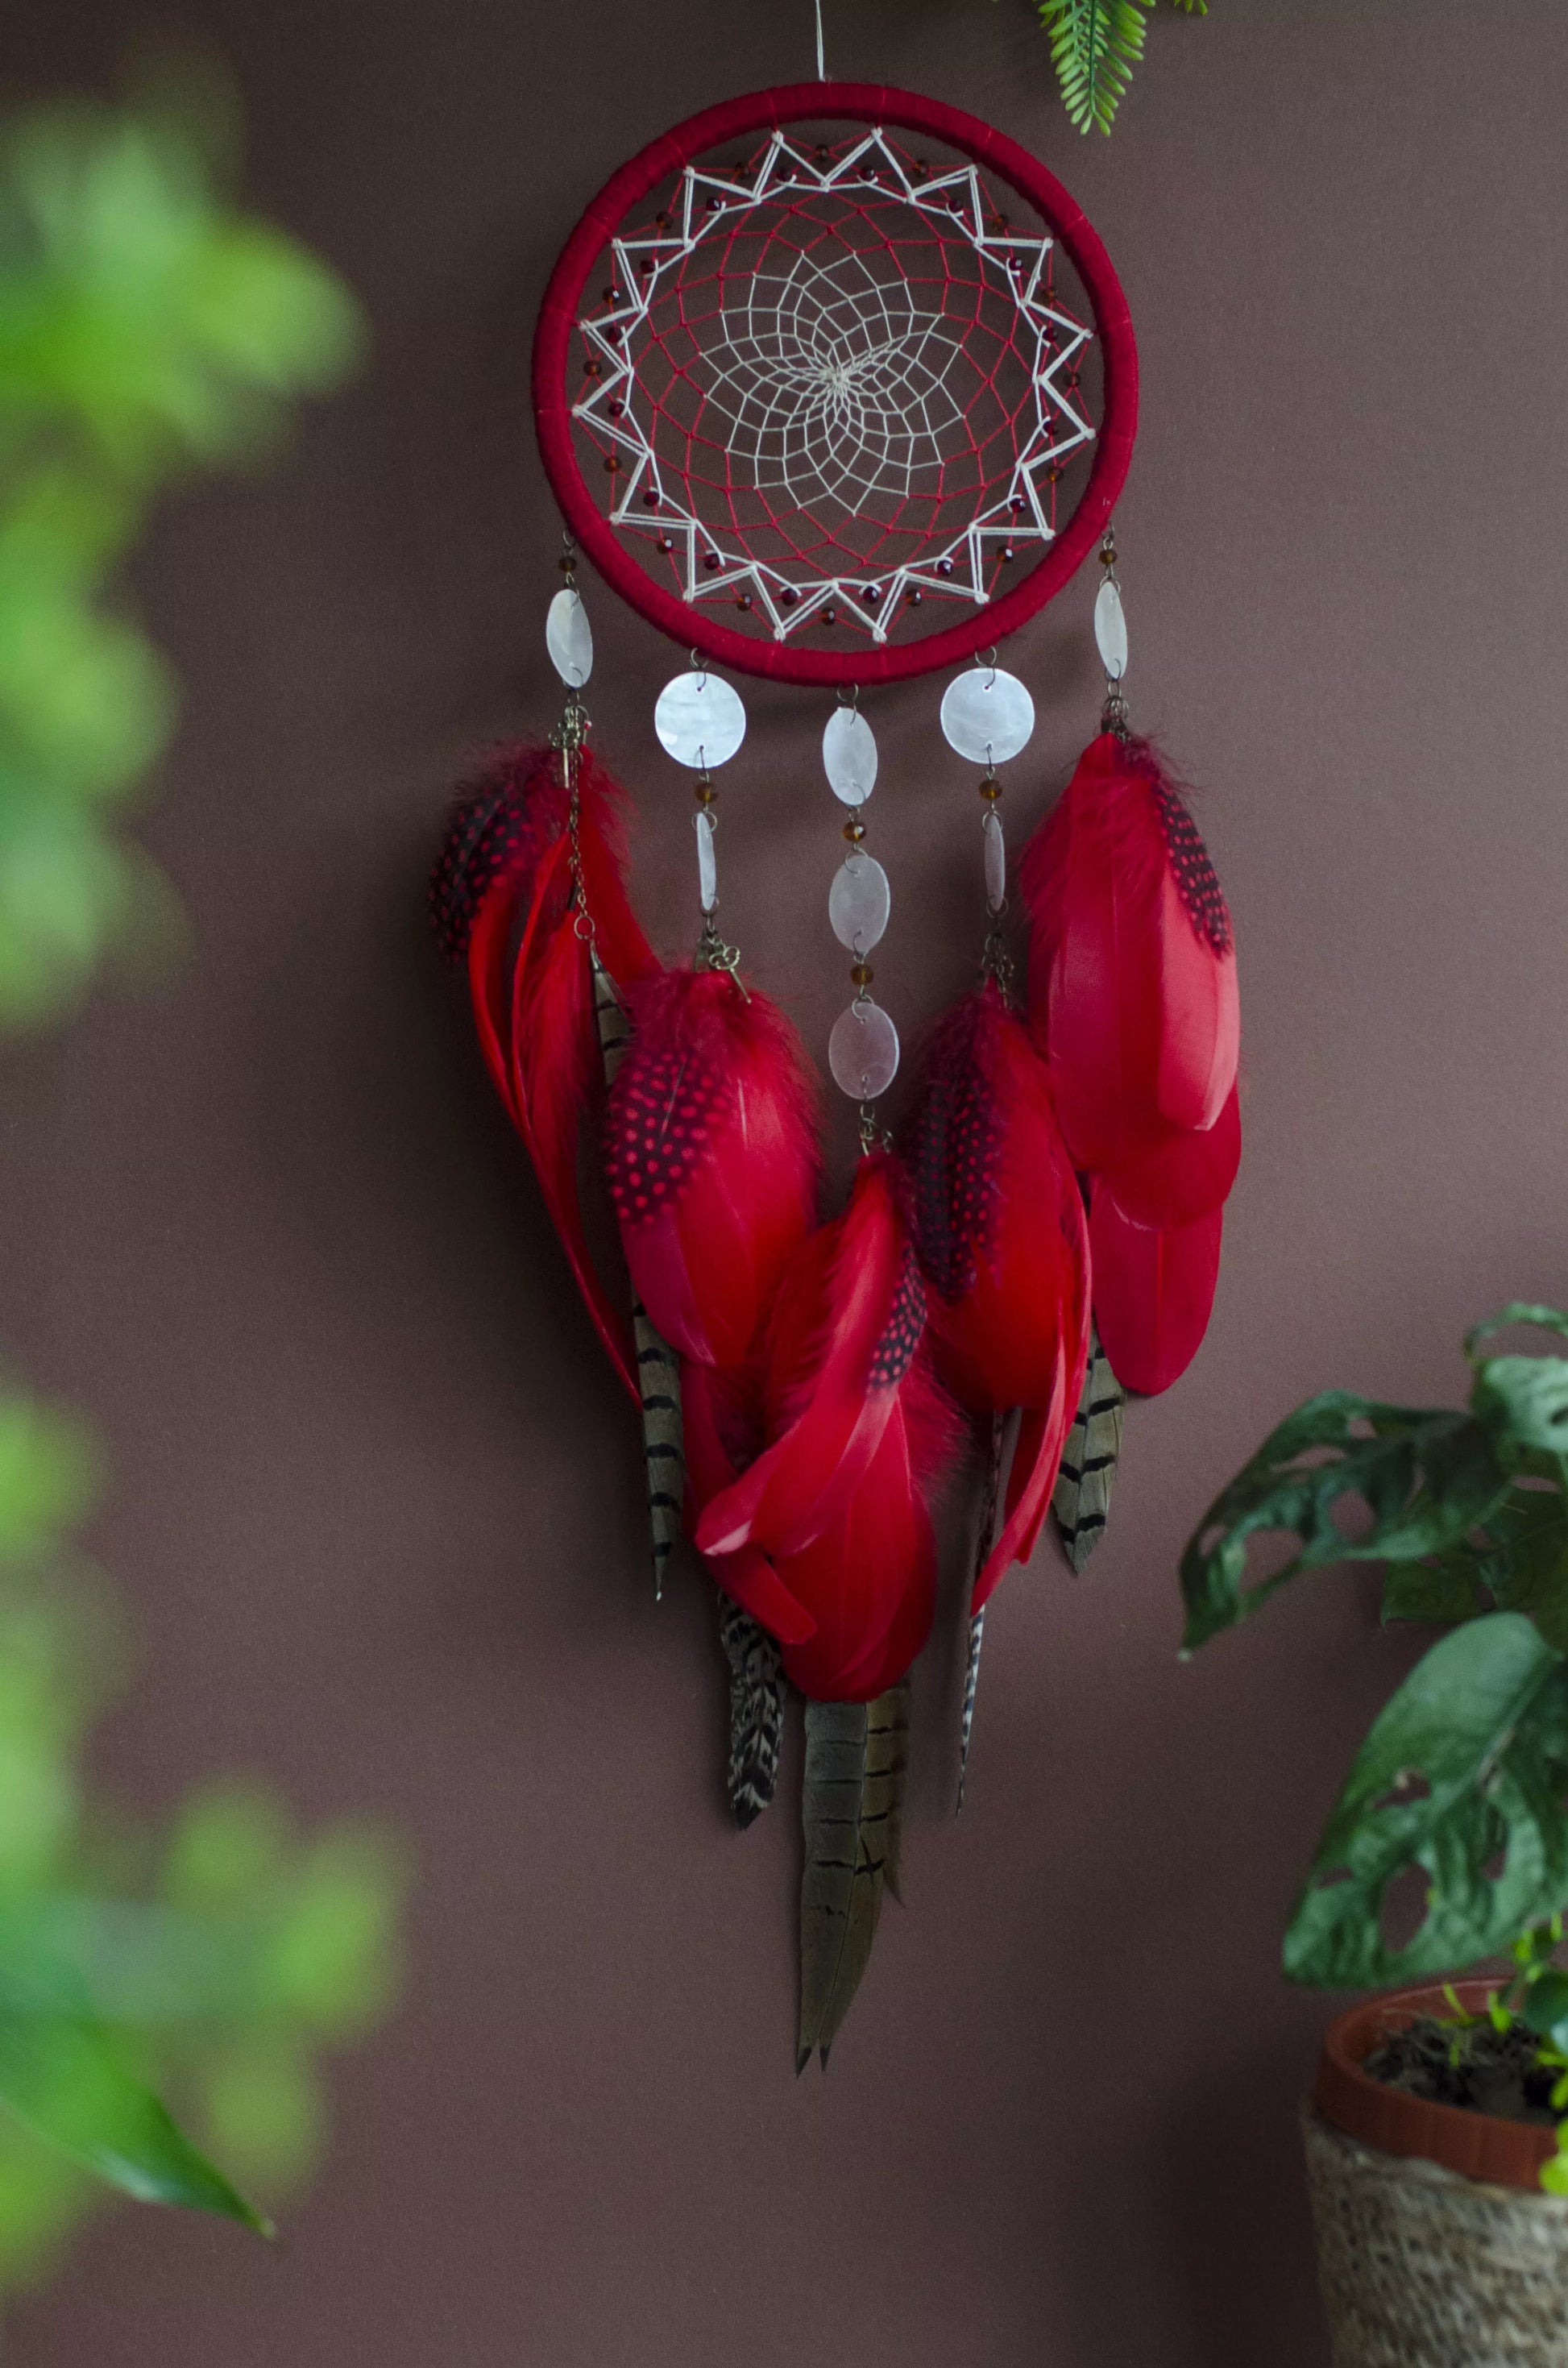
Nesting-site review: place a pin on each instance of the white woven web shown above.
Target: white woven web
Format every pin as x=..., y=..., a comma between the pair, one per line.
x=838, y=383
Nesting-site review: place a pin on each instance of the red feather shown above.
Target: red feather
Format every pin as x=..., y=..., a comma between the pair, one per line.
x=1132, y=967
x=708, y=1413
x=1188, y=1172
x=1000, y=1224
x=1153, y=1291
x=505, y=862
x=859, y=1432
x=711, y=1156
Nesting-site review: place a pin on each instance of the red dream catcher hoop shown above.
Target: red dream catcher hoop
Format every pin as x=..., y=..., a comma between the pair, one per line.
x=835, y=384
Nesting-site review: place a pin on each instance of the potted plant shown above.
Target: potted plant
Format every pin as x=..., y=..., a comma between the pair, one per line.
x=1437, y=2133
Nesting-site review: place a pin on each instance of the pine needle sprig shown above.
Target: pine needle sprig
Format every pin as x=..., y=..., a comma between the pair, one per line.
x=1095, y=44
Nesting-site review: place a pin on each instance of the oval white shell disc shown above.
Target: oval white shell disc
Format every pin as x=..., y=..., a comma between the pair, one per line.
x=1110, y=630
x=862, y=1052
x=699, y=720
x=849, y=757
x=707, y=869
x=858, y=902
x=987, y=716
x=995, y=862
x=569, y=638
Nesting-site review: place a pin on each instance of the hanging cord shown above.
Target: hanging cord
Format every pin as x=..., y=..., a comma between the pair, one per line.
x=822, y=62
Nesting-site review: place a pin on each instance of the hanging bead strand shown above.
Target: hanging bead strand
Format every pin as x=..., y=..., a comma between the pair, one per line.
x=570, y=643
x=863, y=1049
x=1110, y=638
x=701, y=723
x=988, y=717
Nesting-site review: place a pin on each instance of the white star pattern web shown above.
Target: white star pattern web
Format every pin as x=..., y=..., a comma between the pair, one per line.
x=835, y=384
x=830, y=385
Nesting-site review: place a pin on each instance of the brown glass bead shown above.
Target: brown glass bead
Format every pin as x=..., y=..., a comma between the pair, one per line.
x=862, y=974
x=991, y=792
x=853, y=831
x=705, y=793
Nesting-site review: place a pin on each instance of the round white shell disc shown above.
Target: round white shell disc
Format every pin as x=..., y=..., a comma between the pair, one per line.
x=849, y=755
x=699, y=720
x=858, y=902
x=862, y=1052
x=987, y=716
x=1110, y=630
x=569, y=638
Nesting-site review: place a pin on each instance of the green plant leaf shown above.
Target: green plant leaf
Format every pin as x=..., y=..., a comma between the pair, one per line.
x=1427, y=1477
x=1518, y=1310
x=1462, y=1775
x=1095, y=44
x=48, y=1477
x=1438, y=1593
x=1523, y=1401
x=1515, y=1560
x=1545, y=2007
x=61, y=2077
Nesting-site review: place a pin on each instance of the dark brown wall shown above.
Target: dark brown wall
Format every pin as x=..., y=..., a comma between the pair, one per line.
x=376, y=1500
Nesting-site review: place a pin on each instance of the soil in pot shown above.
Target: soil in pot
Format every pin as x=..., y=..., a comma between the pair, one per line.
x=1472, y=2065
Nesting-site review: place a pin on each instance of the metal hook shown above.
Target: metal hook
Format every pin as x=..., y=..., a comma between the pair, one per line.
x=853, y=701
x=699, y=668
x=990, y=660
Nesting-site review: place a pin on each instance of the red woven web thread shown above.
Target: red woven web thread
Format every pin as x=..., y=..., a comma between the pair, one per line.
x=937, y=408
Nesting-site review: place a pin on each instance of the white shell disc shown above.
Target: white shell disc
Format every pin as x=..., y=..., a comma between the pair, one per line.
x=849, y=755
x=699, y=720
x=858, y=902
x=1110, y=630
x=707, y=869
x=862, y=1050
x=987, y=716
x=995, y=861
x=569, y=638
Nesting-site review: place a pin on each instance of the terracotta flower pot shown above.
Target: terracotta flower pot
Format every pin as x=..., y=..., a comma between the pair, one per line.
x=1437, y=2248
x=1477, y=2146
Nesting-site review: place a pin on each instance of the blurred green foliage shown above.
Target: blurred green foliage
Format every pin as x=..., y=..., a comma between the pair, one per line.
x=148, y=330
x=205, y=1963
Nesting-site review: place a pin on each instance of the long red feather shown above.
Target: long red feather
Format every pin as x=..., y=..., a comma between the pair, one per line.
x=859, y=1432
x=999, y=1220
x=827, y=1404
x=1132, y=995
x=502, y=895
x=1133, y=968
x=1153, y=1291
x=710, y=1464
x=1187, y=1171
x=711, y=1156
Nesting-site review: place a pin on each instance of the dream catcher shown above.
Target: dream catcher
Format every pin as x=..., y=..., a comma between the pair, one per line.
x=837, y=385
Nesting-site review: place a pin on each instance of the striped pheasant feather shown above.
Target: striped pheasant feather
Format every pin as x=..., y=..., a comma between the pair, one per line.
x=985, y=1538
x=756, y=1710
x=856, y=1771
x=1082, y=1501
x=658, y=1368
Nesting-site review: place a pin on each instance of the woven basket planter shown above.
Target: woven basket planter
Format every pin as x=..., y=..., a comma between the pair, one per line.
x=1423, y=2266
